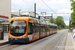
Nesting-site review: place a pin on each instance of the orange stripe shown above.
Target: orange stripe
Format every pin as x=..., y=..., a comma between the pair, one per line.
x=33, y=40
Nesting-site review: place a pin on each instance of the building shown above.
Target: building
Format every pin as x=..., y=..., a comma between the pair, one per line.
x=46, y=18
x=25, y=13
x=5, y=14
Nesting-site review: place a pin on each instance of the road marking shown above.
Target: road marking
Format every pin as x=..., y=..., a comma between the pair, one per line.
x=52, y=42
x=49, y=44
x=60, y=41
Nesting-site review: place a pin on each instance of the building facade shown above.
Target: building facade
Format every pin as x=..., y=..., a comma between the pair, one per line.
x=25, y=14
x=5, y=14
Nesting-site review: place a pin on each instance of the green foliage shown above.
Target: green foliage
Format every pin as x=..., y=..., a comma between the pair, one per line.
x=73, y=16
x=73, y=13
x=60, y=21
x=72, y=0
x=54, y=20
x=67, y=26
x=73, y=6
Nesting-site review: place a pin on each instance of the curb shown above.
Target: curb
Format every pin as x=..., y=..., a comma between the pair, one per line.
x=4, y=43
x=73, y=41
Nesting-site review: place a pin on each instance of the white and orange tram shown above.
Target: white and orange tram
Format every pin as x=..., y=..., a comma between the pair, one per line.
x=26, y=29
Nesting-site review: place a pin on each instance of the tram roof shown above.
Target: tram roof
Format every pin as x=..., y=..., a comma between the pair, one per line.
x=21, y=17
x=37, y=21
x=51, y=24
x=43, y=22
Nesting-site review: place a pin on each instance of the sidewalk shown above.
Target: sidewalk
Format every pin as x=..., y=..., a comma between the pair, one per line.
x=70, y=43
x=5, y=39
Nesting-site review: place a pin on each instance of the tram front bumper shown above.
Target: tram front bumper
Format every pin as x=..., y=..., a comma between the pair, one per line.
x=21, y=40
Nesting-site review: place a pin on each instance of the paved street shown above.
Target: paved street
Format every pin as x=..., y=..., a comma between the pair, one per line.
x=52, y=42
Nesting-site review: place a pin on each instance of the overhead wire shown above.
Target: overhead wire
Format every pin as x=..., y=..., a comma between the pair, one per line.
x=59, y=5
x=26, y=2
x=48, y=6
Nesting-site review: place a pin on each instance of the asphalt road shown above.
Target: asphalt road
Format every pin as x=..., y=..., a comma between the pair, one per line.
x=53, y=42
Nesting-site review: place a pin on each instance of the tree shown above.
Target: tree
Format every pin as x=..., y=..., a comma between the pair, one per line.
x=73, y=9
x=67, y=26
x=53, y=19
x=60, y=22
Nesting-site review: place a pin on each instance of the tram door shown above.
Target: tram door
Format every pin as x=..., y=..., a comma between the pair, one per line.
x=31, y=30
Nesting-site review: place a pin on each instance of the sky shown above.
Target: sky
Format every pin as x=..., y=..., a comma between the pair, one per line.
x=54, y=6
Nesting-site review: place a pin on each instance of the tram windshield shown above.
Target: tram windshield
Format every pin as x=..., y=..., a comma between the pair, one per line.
x=18, y=27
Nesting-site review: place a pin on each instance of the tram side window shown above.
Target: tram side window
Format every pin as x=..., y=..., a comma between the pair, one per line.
x=56, y=28
x=36, y=28
x=48, y=29
x=31, y=28
x=53, y=28
x=43, y=28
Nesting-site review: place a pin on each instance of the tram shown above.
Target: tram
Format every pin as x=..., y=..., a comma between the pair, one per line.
x=27, y=29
